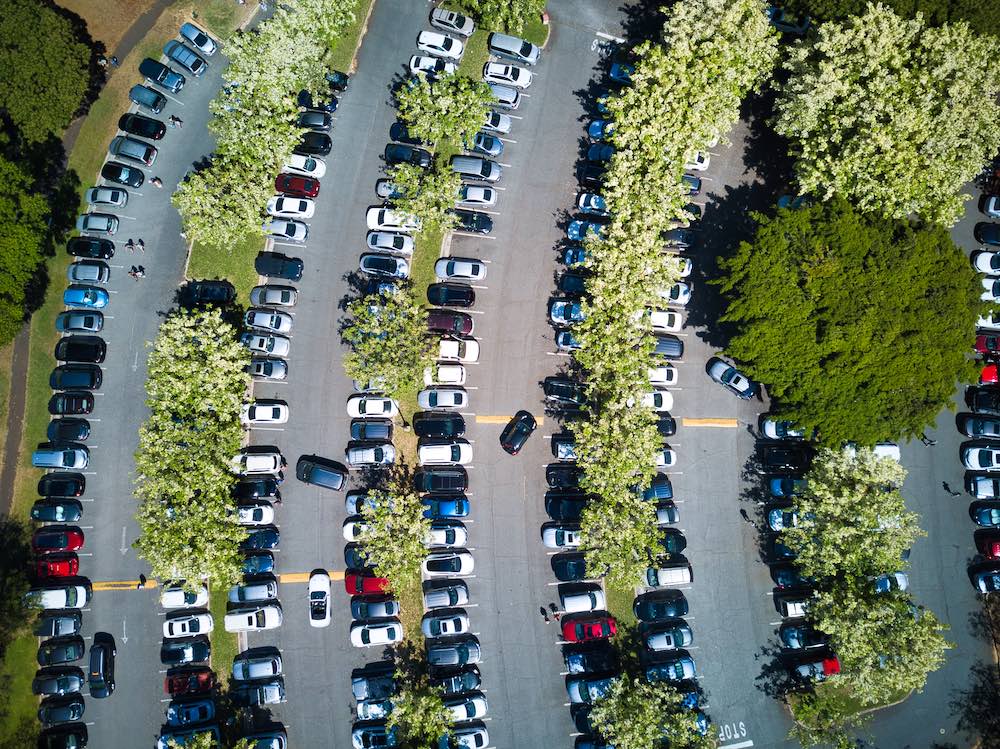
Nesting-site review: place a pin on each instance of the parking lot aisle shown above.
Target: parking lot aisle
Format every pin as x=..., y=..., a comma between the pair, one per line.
x=318, y=662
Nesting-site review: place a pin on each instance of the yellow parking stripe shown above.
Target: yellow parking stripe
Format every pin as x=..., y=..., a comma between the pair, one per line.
x=288, y=577
x=504, y=418
x=303, y=577
x=724, y=423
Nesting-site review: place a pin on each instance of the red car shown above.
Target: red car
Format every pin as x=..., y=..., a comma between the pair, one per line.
x=57, y=538
x=361, y=584
x=296, y=186
x=988, y=345
x=194, y=681
x=57, y=565
x=589, y=628
x=988, y=543
x=989, y=375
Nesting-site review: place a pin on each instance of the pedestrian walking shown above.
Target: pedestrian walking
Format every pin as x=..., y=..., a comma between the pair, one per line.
x=141, y=246
x=544, y=613
x=102, y=62
x=142, y=582
x=130, y=245
x=156, y=182
x=277, y=499
x=140, y=271
x=115, y=62
x=553, y=608
x=951, y=491
x=928, y=442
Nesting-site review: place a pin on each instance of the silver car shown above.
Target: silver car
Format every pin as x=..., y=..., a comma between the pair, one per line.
x=449, y=20
x=455, y=593
x=102, y=223
x=268, y=319
x=250, y=667
x=498, y=122
x=186, y=57
x=477, y=195
x=79, y=322
x=264, y=590
x=374, y=454
x=273, y=295
x=275, y=345
x=107, y=196
x=88, y=271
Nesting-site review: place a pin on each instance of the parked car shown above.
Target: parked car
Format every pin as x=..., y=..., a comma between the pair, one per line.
x=296, y=185
x=186, y=57
x=161, y=75
x=71, y=403
x=589, y=627
x=146, y=97
x=255, y=619
x=433, y=67
x=497, y=122
x=112, y=196
x=314, y=143
x=448, y=20
x=398, y=153
x=175, y=595
x=440, y=45
x=473, y=222
x=102, y=223
x=513, y=48
x=57, y=681
x=451, y=295
x=449, y=321
x=460, y=268
x=186, y=625
x=52, y=510
x=144, y=127
x=122, y=174
x=125, y=147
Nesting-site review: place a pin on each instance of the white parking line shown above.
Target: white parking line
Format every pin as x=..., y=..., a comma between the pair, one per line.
x=505, y=166
x=474, y=236
x=480, y=287
x=505, y=140
x=610, y=38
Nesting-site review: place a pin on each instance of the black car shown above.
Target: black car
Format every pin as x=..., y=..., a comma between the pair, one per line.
x=144, y=127
x=456, y=682
x=87, y=349
x=315, y=119
x=305, y=99
x=161, y=75
x=71, y=403
x=400, y=134
x=69, y=736
x=60, y=650
x=396, y=153
x=62, y=484
x=672, y=541
x=57, y=511
x=565, y=505
x=261, y=538
x=984, y=400
x=570, y=567
x=680, y=238
x=450, y=480
x=590, y=658
x=257, y=487
x=185, y=651
x=517, y=431
x=59, y=624
x=564, y=391
x=313, y=143
x=276, y=265
x=355, y=559
x=438, y=424
x=590, y=174
x=660, y=605
x=573, y=284
x=371, y=429
x=580, y=714
x=451, y=295
x=80, y=376
x=122, y=174
x=787, y=575
x=337, y=81
x=781, y=458
x=323, y=472
x=473, y=221
x=563, y=475
x=987, y=233
x=101, y=676
x=61, y=709
x=666, y=426
x=208, y=292
x=94, y=247
x=68, y=430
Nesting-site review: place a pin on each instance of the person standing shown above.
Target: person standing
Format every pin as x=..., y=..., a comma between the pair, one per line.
x=141, y=246
x=156, y=182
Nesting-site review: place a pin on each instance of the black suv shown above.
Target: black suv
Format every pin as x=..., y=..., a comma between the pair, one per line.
x=438, y=424
x=276, y=265
x=208, y=292
x=144, y=127
x=451, y=480
x=473, y=221
x=81, y=376
x=451, y=295
x=782, y=458
x=399, y=154
x=101, y=677
x=88, y=349
x=122, y=174
x=564, y=391
x=93, y=247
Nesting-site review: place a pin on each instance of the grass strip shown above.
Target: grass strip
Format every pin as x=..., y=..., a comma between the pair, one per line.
x=475, y=56
x=535, y=31
x=411, y=610
x=847, y=703
x=342, y=54
x=234, y=263
x=224, y=644
x=620, y=606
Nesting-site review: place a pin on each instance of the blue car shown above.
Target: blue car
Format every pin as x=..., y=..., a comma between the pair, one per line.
x=592, y=204
x=585, y=690
x=600, y=129
x=261, y=538
x=574, y=256
x=621, y=73
x=89, y=297
x=488, y=145
x=786, y=486
x=565, y=341
x=439, y=508
x=255, y=564
x=578, y=229
x=600, y=152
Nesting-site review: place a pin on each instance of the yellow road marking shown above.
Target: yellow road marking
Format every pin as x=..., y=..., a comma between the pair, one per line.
x=503, y=419
x=288, y=577
x=725, y=423
x=303, y=577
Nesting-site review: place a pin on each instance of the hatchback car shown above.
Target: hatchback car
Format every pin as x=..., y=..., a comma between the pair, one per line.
x=390, y=241
x=133, y=150
x=144, y=127
x=589, y=627
x=315, y=119
x=381, y=264
x=57, y=511
x=296, y=185
x=269, y=320
x=732, y=379
x=448, y=321
x=101, y=223
x=122, y=174
x=516, y=433
x=460, y=268
x=186, y=57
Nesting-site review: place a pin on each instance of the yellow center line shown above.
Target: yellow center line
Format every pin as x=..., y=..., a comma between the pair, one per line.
x=504, y=418
x=288, y=577
x=724, y=423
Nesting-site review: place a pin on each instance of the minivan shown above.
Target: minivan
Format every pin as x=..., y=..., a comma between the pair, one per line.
x=669, y=572
x=130, y=148
x=513, y=48
x=102, y=665
x=146, y=97
x=68, y=455
x=474, y=167
x=507, y=97
x=591, y=599
x=669, y=347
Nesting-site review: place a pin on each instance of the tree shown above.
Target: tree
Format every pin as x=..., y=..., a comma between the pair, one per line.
x=15, y=560
x=452, y=107
x=637, y=714
x=394, y=534
x=428, y=195
x=389, y=343
x=23, y=214
x=983, y=18
x=418, y=712
x=852, y=519
x=836, y=311
x=206, y=741
x=223, y=203
x=821, y=719
x=618, y=533
x=195, y=386
x=930, y=95
x=46, y=68
x=508, y=15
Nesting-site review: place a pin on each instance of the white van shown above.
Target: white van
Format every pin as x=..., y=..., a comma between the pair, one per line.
x=584, y=600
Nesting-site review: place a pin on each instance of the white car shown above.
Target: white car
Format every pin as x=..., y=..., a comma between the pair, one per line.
x=477, y=195
x=445, y=453
x=264, y=412
x=984, y=487
x=445, y=374
x=991, y=291
x=658, y=400
x=497, y=122
x=319, y=599
x=776, y=429
x=981, y=458
x=391, y=242
x=433, y=66
x=261, y=513
x=665, y=321
x=679, y=294
x=254, y=620
x=246, y=463
x=989, y=321
x=698, y=161
x=274, y=345
x=561, y=536
x=386, y=219
x=666, y=458
x=684, y=267
x=460, y=269
x=173, y=596
x=663, y=376
x=273, y=295
x=467, y=707
x=115, y=196
x=675, y=637
x=511, y=75
x=309, y=166
x=286, y=229
x=253, y=592
x=268, y=319
x=449, y=20
x=376, y=454
x=986, y=262
x=447, y=533
x=445, y=625
x=366, y=635
x=369, y=406
x=285, y=207
x=440, y=45
x=352, y=529
x=458, y=349
x=63, y=597
x=188, y=625
x=443, y=397
x=448, y=564
x=455, y=593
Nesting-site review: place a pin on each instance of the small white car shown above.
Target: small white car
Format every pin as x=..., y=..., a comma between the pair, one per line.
x=443, y=397
x=390, y=241
x=561, y=536
x=991, y=290
x=274, y=345
x=658, y=400
x=498, y=122
x=664, y=376
x=684, y=267
x=448, y=564
x=386, y=219
x=432, y=66
x=666, y=458
x=273, y=295
x=458, y=349
x=698, y=161
x=173, y=596
x=254, y=620
x=309, y=166
x=377, y=454
x=460, y=269
x=664, y=321
x=676, y=637
x=445, y=453
x=449, y=20
x=477, y=195
x=286, y=229
x=264, y=412
x=445, y=625
x=511, y=75
x=260, y=513
x=776, y=429
x=467, y=707
x=246, y=463
x=319, y=599
x=363, y=406
x=188, y=625
x=440, y=45
x=268, y=319
x=370, y=634
x=989, y=321
x=987, y=262
x=445, y=374
x=981, y=458
x=679, y=294
x=353, y=528
x=447, y=534
x=285, y=207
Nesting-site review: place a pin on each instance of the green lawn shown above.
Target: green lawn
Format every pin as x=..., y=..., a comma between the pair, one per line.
x=19, y=706
x=847, y=703
x=535, y=31
x=342, y=54
x=475, y=55
x=224, y=647
x=620, y=606
x=234, y=263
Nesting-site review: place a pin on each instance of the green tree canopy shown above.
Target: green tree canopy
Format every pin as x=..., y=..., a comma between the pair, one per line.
x=839, y=313
x=895, y=116
x=45, y=68
x=394, y=534
x=418, y=712
x=427, y=194
x=504, y=15
x=982, y=17
x=454, y=106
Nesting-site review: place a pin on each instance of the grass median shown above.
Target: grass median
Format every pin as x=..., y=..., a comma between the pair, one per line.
x=342, y=54
x=224, y=644
x=235, y=263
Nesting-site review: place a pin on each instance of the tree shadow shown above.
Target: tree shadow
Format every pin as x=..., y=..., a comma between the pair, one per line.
x=15, y=557
x=766, y=154
x=97, y=74
x=976, y=707
x=775, y=680
x=643, y=21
